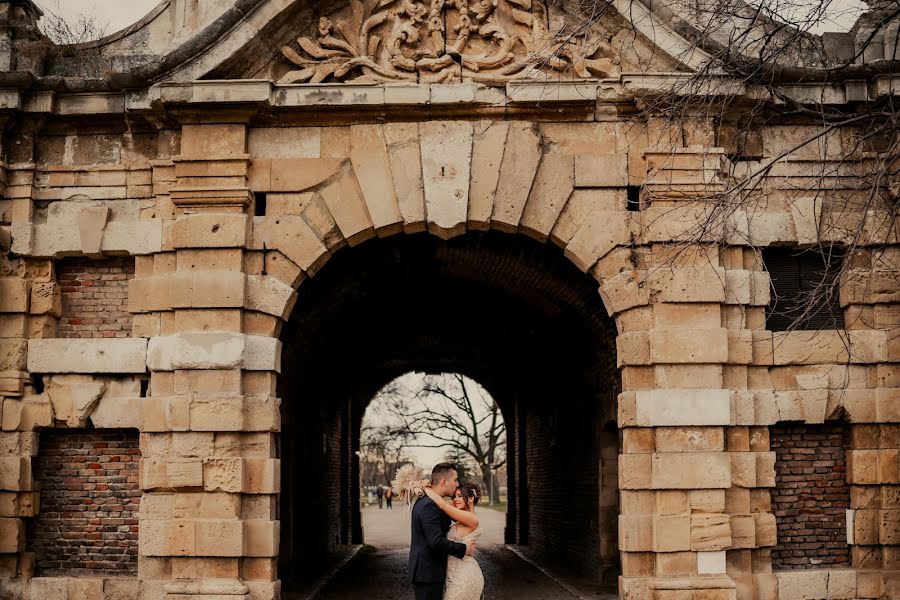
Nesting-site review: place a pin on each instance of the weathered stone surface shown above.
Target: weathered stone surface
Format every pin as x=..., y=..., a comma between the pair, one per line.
x=662, y=408
x=802, y=585
x=691, y=470
x=91, y=222
x=369, y=156
x=87, y=355
x=488, y=144
x=552, y=187
x=446, y=149
x=293, y=237
x=406, y=168
x=521, y=156
x=600, y=233
x=210, y=231
x=348, y=208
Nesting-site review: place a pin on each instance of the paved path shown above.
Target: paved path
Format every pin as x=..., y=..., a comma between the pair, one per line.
x=379, y=570
x=385, y=528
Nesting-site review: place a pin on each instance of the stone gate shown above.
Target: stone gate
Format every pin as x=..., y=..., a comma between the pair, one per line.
x=224, y=228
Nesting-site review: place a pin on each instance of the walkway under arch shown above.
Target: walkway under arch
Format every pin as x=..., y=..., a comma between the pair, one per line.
x=507, y=311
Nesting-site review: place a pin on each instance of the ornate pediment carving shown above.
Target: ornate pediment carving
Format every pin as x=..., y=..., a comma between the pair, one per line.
x=446, y=41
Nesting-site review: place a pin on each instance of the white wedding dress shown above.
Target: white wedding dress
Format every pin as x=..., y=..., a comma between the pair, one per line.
x=465, y=581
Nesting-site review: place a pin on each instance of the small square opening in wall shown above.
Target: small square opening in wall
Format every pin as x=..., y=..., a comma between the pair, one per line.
x=805, y=292
x=259, y=203
x=634, y=197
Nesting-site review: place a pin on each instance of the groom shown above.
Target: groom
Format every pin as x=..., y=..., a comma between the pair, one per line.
x=430, y=547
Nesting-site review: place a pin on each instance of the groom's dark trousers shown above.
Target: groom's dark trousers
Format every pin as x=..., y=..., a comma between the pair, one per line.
x=429, y=549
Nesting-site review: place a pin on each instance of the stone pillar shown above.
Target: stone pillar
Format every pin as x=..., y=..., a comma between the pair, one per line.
x=209, y=471
x=30, y=304
x=694, y=466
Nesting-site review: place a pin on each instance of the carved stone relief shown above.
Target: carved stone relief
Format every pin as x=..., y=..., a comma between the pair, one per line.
x=446, y=41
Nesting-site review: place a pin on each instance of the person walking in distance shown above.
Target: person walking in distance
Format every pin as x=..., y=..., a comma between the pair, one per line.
x=380, y=494
x=389, y=497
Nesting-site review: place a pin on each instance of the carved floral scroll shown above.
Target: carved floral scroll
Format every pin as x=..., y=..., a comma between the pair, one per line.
x=445, y=41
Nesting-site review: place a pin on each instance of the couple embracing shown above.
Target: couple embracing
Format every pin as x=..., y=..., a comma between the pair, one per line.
x=441, y=554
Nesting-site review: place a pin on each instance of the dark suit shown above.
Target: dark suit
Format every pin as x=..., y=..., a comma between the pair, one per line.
x=429, y=548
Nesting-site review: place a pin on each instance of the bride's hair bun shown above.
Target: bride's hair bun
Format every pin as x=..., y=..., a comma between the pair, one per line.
x=471, y=490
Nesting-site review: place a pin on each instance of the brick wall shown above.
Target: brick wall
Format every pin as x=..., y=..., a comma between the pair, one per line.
x=811, y=496
x=88, y=520
x=95, y=297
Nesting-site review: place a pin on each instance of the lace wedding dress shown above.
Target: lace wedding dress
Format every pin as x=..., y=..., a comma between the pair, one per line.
x=465, y=581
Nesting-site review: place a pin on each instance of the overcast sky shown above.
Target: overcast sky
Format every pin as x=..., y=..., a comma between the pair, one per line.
x=122, y=13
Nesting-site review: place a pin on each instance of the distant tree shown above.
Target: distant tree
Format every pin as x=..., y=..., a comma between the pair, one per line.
x=382, y=452
x=79, y=28
x=453, y=412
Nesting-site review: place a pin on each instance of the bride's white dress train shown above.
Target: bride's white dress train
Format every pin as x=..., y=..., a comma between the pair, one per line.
x=465, y=581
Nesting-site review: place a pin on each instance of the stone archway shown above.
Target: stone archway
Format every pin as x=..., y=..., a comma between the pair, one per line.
x=513, y=314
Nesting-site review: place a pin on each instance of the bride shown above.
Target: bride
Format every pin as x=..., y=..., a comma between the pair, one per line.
x=465, y=580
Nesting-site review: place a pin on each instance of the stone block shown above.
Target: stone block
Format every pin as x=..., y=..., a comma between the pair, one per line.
x=211, y=230
x=743, y=469
x=635, y=471
x=842, y=584
x=262, y=476
x=707, y=501
x=671, y=533
x=889, y=527
x=690, y=439
x=223, y=475
x=672, y=502
x=862, y=467
x=809, y=347
x=87, y=355
x=600, y=233
x=12, y=535
x=261, y=538
x=688, y=284
x=219, y=538
x=49, y=588
x=710, y=532
x=601, y=170
x=294, y=237
x=552, y=187
x=406, y=167
x=13, y=355
x=676, y=564
x=802, y=585
x=446, y=150
x=687, y=376
x=213, y=141
x=369, y=156
x=633, y=348
x=168, y=537
x=46, y=299
x=711, y=563
x=74, y=401
x=743, y=531
x=488, y=143
x=269, y=295
x=521, y=156
x=345, y=202
x=636, y=533
x=638, y=440
x=88, y=588
x=670, y=345
x=766, y=530
x=622, y=292
x=691, y=470
x=659, y=408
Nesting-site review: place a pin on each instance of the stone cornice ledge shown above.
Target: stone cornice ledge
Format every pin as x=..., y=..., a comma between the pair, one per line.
x=264, y=95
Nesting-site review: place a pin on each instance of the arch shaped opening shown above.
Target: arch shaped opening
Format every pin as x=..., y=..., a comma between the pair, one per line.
x=424, y=419
x=504, y=310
